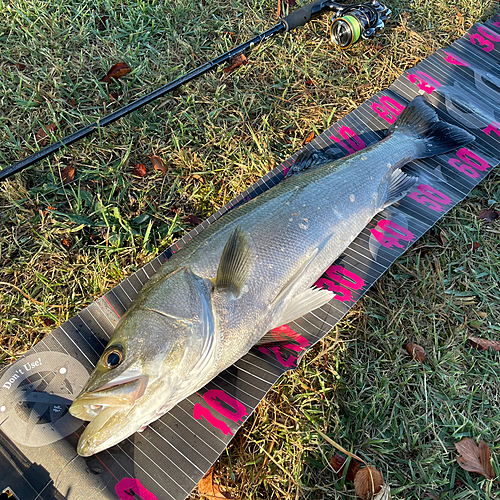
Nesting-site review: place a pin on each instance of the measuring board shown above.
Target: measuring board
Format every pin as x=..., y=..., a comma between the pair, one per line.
x=38, y=436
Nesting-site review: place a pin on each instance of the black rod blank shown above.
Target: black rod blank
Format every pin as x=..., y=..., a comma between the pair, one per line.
x=139, y=103
x=298, y=17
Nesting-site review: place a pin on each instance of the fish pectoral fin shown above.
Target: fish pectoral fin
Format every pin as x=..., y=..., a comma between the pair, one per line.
x=235, y=262
x=302, y=304
x=399, y=186
x=287, y=289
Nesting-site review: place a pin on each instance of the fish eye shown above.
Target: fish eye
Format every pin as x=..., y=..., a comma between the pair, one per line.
x=113, y=357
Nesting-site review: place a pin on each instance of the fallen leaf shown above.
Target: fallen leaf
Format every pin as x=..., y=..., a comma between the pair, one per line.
x=20, y=66
x=117, y=71
x=231, y=34
x=489, y=215
x=416, y=352
x=68, y=174
x=199, y=178
x=208, y=488
x=431, y=495
x=367, y=482
x=139, y=170
x=474, y=247
x=65, y=242
x=237, y=61
x=484, y=344
x=42, y=136
x=72, y=103
x=338, y=462
x=48, y=321
x=309, y=138
x=309, y=83
x=113, y=96
x=475, y=458
x=191, y=219
x=284, y=7
x=158, y=164
x=443, y=235
x=101, y=23
x=481, y=314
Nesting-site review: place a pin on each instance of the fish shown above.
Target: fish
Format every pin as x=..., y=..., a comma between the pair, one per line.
x=250, y=271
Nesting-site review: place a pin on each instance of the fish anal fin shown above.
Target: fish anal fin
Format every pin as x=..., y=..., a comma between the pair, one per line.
x=303, y=303
x=235, y=262
x=399, y=186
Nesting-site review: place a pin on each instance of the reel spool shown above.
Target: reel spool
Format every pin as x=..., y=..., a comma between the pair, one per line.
x=358, y=21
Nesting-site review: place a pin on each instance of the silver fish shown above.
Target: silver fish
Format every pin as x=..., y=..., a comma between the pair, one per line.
x=249, y=272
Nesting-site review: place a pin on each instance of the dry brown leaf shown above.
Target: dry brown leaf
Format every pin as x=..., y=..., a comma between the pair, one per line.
x=113, y=96
x=484, y=344
x=237, y=61
x=20, y=66
x=489, y=215
x=139, y=170
x=68, y=174
x=338, y=462
x=475, y=458
x=474, y=247
x=158, y=164
x=284, y=7
x=368, y=482
x=101, y=23
x=416, y=352
x=199, y=178
x=309, y=138
x=72, y=103
x=209, y=489
x=117, y=71
x=191, y=219
x=42, y=136
x=443, y=235
x=234, y=36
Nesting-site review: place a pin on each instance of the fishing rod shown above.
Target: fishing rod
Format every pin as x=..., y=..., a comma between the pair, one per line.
x=350, y=23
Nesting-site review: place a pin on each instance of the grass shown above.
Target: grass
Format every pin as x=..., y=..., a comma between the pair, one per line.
x=62, y=246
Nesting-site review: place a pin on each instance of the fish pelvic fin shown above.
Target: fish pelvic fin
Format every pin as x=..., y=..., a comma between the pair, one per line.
x=433, y=137
x=399, y=186
x=235, y=262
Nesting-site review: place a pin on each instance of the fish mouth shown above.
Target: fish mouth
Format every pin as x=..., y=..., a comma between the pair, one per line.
x=115, y=395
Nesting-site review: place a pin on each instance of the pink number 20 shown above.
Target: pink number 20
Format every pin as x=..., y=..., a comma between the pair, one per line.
x=214, y=398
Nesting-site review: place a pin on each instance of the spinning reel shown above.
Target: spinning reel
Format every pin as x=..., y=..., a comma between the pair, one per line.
x=353, y=22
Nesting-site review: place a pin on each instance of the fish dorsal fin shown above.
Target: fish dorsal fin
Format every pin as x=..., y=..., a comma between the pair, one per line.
x=234, y=267
x=305, y=302
x=399, y=185
x=312, y=158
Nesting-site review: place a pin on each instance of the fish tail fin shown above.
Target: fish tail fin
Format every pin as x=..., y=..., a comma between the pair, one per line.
x=433, y=137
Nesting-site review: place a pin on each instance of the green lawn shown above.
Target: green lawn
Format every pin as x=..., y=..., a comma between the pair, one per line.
x=62, y=246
